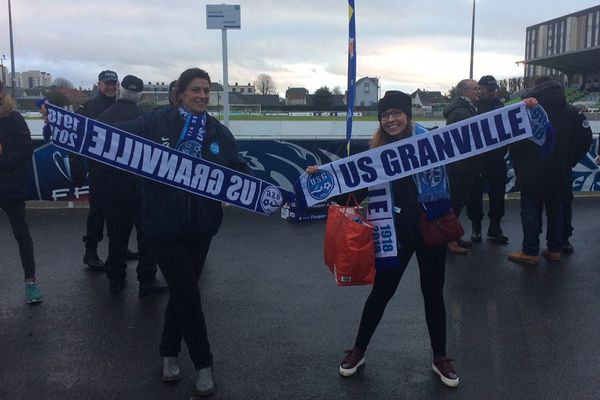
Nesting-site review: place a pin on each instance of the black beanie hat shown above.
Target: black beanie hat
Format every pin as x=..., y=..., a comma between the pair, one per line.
x=395, y=99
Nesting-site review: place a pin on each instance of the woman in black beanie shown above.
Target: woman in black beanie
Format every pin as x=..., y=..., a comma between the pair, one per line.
x=394, y=114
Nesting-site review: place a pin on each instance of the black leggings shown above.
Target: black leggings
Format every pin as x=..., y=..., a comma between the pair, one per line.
x=15, y=209
x=432, y=266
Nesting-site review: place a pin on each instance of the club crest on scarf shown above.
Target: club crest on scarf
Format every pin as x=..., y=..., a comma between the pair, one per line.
x=192, y=134
x=320, y=185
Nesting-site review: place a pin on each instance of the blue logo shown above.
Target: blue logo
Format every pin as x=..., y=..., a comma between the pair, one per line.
x=320, y=185
x=214, y=148
x=432, y=177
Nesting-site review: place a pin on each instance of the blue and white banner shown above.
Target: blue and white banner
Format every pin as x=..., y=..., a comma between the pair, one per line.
x=142, y=157
x=418, y=153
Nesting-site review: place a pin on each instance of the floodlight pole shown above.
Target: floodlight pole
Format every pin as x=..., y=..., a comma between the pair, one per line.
x=472, y=41
x=12, y=52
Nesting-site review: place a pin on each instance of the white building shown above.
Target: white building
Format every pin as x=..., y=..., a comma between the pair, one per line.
x=367, y=92
x=30, y=79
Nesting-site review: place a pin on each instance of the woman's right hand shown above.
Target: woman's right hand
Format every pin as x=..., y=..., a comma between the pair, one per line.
x=312, y=169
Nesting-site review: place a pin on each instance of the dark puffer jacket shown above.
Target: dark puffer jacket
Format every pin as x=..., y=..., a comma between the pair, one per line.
x=460, y=109
x=173, y=214
x=15, y=158
x=538, y=173
x=484, y=106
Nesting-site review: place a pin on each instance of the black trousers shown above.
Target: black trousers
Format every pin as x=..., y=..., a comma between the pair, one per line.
x=123, y=212
x=181, y=264
x=494, y=174
x=15, y=209
x=97, y=212
x=432, y=270
x=567, y=212
x=461, y=184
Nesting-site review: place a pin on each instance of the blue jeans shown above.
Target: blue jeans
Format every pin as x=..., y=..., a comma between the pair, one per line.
x=532, y=205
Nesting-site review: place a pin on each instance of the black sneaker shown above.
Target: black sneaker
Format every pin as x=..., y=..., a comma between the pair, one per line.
x=476, y=232
x=116, y=286
x=94, y=262
x=352, y=361
x=153, y=287
x=495, y=234
x=444, y=367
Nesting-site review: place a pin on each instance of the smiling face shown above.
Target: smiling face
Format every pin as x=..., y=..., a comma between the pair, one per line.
x=108, y=88
x=196, y=95
x=394, y=122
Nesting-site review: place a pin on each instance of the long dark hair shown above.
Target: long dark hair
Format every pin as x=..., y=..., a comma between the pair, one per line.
x=381, y=137
x=187, y=77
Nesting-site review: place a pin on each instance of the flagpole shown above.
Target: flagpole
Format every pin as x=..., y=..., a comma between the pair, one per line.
x=472, y=41
x=351, y=73
x=12, y=53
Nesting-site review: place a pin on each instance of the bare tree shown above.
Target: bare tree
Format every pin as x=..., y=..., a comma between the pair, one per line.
x=62, y=83
x=264, y=84
x=337, y=90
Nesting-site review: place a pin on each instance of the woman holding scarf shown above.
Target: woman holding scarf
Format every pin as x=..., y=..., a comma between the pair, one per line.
x=181, y=225
x=409, y=196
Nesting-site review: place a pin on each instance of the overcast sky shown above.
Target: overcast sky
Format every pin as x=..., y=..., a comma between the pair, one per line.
x=407, y=44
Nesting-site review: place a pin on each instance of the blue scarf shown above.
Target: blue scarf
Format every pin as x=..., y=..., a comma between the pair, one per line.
x=192, y=135
x=432, y=185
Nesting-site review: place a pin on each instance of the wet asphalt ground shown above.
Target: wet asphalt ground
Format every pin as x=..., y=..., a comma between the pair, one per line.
x=278, y=324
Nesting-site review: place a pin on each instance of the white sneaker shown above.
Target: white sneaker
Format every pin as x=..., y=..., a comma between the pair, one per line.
x=170, y=369
x=205, y=386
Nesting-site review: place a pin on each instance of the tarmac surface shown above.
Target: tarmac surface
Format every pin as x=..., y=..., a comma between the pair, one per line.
x=278, y=324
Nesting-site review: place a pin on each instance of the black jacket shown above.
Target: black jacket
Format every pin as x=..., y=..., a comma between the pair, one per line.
x=406, y=199
x=17, y=149
x=458, y=110
x=170, y=213
x=121, y=111
x=91, y=109
x=550, y=173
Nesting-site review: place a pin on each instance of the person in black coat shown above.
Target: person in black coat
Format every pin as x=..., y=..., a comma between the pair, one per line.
x=462, y=174
x=181, y=225
x=394, y=114
x=108, y=84
x=15, y=156
x=542, y=178
x=123, y=203
x=492, y=172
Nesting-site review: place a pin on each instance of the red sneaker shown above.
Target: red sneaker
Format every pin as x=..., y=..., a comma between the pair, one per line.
x=354, y=358
x=444, y=367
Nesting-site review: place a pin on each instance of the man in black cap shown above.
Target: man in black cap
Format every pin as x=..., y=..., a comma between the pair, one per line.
x=108, y=84
x=123, y=203
x=492, y=171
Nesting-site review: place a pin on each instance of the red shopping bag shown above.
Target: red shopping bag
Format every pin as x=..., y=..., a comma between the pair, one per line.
x=349, y=251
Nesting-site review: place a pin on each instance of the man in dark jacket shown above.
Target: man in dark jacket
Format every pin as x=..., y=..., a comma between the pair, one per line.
x=15, y=156
x=542, y=178
x=492, y=172
x=108, y=84
x=123, y=203
x=462, y=174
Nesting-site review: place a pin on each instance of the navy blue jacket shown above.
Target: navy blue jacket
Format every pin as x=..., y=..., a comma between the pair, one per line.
x=173, y=214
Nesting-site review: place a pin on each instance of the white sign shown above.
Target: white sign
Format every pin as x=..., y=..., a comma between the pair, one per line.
x=223, y=16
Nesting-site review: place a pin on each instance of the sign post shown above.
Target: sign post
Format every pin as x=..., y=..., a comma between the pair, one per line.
x=223, y=16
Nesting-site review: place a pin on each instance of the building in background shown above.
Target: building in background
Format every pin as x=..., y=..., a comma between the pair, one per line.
x=367, y=92
x=296, y=96
x=566, y=47
x=30, y=79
